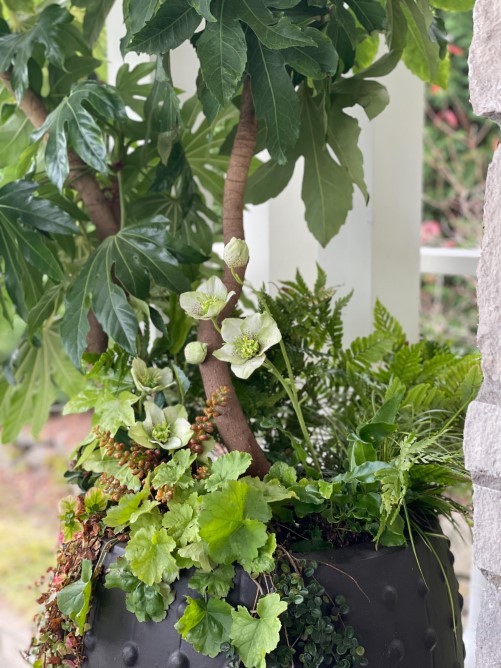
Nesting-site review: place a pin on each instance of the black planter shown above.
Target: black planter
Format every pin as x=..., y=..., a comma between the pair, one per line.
x=402, y=617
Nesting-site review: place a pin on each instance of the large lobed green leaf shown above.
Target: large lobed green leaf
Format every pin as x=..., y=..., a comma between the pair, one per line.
x=327, y=188
x=232, y=522
x=254, y=637
x=72, y=120
x=175, y=22
x=26, y=223
x=16, y=49
x=42, y=369
x=136, y=255
x=206, y=625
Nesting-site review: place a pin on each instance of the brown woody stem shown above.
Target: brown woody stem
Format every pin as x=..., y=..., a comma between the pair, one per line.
x=80, y=179
x=233, y=425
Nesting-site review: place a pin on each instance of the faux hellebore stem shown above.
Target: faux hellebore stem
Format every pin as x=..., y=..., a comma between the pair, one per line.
x=232, y=424
x=290, y=388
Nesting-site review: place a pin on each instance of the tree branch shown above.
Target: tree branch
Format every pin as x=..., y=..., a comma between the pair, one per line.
x=98, y=207
x=232, y=425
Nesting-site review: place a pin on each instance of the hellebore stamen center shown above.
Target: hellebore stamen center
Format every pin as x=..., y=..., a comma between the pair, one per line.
x=161, y=432
x=246, y=347
x=207, y=302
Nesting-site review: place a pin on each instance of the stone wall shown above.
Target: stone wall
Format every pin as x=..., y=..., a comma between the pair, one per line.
x=483, y=423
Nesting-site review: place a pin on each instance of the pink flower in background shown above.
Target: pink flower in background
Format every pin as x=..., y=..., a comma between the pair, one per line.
x=449, y=117
x=455, y=50
x=430, y=230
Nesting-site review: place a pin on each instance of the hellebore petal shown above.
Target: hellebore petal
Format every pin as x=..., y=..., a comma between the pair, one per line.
x=207, y=301
x=246, y=341
x=150, y=379
x=236, y=253
x=195, y=352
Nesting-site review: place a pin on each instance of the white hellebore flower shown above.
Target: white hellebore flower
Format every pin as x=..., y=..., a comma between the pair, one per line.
x=236, y=253
x=195, y=352
x=150, y=379
x=207, y=301
x=246, y=341
x=166, y=428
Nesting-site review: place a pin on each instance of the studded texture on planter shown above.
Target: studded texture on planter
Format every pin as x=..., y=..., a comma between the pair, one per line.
x=401, y=619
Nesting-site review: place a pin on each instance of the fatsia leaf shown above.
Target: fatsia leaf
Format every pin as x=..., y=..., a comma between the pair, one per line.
x=162, y=105
x=74, y=599
x=149, y=553
x=136, y=253
x=174, y=22
x=16, y=49
x=228, y=467
x=370, y=95
x=453, y=5
x=96, y=13
x=370, y=13
x=40, y=370
x=215, y=583
x=316, y=61
x=72, y=120
x=22, y=216
x=232, y=522
x=203, y=7
x=268, y=181
x=327, y=188
x=396, y=30
x=255, y=637
x=342, y=30
x=273, y=33
x=274, y=97
x=343, y=132
x=222, y=51
x=206, y=625
x=421, y=54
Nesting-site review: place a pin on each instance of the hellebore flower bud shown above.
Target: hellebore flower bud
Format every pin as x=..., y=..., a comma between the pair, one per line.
x=195, y=352
x=236, y=253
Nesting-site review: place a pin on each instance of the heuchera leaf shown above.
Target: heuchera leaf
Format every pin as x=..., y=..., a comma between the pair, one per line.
x=227, y=467
x=72, y=121
x=206, y=625
x=232, y=522
x=149, y=553
x=74, y=600
x=120, y=516
x=254, y=637
x=176, y=471
x=49, y=31
x=215, y=583
x=147, y=602
x=174, y=22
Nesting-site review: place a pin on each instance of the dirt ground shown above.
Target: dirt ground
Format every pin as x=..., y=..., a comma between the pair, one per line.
x=31, y=484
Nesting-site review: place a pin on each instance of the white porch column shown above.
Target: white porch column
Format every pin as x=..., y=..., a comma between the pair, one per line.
x=483, y=425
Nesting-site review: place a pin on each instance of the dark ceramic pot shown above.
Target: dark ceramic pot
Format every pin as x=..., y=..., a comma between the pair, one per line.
x=401, y=615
